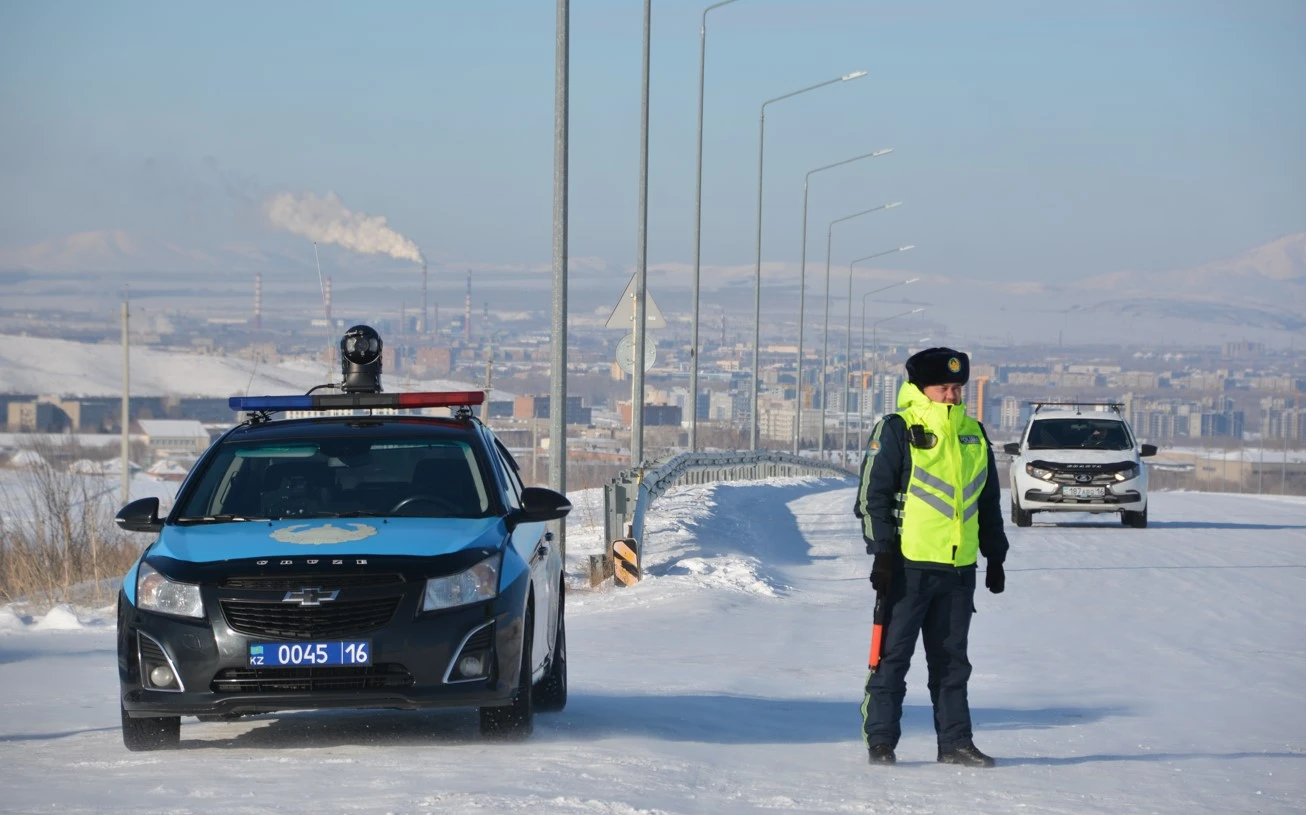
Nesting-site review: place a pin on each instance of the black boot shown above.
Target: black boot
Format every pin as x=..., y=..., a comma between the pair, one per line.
x=967, y=755
x=882, y=754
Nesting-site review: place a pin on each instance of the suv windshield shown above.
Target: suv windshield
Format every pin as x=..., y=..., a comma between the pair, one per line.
x=420, y=477
x=1079, y=433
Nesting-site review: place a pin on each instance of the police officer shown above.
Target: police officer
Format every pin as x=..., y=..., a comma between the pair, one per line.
x=929, y=502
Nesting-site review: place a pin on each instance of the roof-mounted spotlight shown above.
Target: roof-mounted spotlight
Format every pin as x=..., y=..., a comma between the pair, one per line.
x=360, y=360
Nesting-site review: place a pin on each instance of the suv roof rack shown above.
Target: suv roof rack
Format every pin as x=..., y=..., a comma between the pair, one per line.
x=1118, y=407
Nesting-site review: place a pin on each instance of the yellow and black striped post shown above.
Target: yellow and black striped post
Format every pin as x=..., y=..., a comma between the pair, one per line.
x=625, y=562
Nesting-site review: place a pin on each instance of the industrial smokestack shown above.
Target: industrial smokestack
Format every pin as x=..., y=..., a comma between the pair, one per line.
x=467, y=309
x=326, y=300
x=426, y=325
x=258, y=302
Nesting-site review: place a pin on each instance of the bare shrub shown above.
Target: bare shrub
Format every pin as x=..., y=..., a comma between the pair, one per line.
x=56, y=527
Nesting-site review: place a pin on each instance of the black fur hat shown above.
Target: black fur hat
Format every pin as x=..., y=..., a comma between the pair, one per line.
x=938, y=366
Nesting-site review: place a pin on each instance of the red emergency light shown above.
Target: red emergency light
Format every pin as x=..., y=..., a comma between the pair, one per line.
x=357, y=401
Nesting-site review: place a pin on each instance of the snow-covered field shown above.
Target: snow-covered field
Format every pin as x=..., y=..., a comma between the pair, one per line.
x=1123, y=671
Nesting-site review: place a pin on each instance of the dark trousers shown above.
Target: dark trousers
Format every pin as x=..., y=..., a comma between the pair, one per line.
x=936, y=603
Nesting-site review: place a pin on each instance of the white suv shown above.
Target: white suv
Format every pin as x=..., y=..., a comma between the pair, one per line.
x=1078, y=457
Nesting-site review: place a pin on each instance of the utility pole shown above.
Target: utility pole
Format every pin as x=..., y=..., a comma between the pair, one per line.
x=558, y=351
x=126, y=409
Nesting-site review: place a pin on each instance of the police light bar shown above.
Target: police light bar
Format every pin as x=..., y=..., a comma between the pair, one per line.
x=357, y=401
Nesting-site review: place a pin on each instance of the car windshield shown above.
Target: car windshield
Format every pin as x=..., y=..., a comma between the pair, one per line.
x=1082, y=433
x=327, y=478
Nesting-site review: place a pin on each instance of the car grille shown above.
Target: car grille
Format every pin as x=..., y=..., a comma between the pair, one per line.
x=325, y=581
x=289, y=621
x=318, y=678
x=1097, y=479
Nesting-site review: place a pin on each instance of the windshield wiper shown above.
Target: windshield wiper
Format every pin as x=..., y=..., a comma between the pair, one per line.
x=219, y=519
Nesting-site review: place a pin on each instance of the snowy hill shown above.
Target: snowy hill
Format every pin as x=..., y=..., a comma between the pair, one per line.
x=35, y=365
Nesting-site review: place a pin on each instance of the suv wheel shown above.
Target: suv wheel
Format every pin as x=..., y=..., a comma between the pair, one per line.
x=551, y=693
x=515, y=720
x=158, y=733
x=1138, y=520
x=1020, y=517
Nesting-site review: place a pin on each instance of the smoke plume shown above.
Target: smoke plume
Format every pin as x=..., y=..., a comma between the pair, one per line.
x=327, y=220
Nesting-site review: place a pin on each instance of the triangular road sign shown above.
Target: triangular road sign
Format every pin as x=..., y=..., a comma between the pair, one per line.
x=623, y=316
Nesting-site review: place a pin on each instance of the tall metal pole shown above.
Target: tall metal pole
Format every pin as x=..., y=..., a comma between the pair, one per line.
x=757, y=272
x=698, y=230
x=126, y=409
x=641, y=262
x=558, y=357
x=802, y=291
x=825, y=331
x=848, y=331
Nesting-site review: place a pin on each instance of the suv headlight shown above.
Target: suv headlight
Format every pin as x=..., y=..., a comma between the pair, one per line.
x=1125, y=475
x=157, y=593
x=1038, y=472
x=480, y=582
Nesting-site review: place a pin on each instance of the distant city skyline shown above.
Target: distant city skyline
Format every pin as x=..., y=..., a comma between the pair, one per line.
x=1030, y=140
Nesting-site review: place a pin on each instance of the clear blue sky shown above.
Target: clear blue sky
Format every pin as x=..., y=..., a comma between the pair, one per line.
x=1032, y=138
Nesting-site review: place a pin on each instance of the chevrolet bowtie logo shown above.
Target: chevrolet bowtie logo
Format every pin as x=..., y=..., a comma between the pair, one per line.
x=309, y=596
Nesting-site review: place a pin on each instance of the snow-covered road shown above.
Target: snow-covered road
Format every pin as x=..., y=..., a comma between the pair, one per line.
x=1123, y=671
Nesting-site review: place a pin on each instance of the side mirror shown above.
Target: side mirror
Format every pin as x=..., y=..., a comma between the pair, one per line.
x=542, y=504
x=1011, y=448
x=1148, y=450
x=141, y=515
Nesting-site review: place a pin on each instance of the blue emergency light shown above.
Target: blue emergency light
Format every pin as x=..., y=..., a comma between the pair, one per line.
x=357, y=401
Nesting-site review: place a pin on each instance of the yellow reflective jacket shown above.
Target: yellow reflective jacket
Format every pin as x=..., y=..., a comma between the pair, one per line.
x=949, y=466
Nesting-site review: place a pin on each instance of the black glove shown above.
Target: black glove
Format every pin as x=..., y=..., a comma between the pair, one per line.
x=995, y=580
x=881, y=571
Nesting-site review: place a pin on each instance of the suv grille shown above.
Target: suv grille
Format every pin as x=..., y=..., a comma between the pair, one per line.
x=287, y=621
x=319, y=678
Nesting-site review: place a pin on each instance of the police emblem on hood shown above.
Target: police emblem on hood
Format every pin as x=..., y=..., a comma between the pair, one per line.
x=326, y=533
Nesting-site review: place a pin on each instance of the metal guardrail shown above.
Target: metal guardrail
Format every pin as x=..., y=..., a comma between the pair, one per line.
x=627, y=498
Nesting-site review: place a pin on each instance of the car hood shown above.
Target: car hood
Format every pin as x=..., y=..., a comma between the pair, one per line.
x=328, y=537
x=1070, y=455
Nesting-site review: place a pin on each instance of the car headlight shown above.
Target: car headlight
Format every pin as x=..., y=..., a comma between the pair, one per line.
x=157, y=593
x=1038, y=472
x=480, y=582
x=1125, y=475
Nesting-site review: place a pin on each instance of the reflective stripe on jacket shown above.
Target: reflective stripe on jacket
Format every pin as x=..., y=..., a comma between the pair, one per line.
x=940, y=512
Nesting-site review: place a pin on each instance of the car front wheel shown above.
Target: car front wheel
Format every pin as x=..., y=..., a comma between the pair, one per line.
x=157, y=733
x=1021, y=517
x=1138, y=520
x=551, y=693
x=515, y=720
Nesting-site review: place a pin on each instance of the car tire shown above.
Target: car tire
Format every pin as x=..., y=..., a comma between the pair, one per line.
x=1020, y=517
x=1138, y=520
x=515, y=720
x=550, y=695
x=155, y=733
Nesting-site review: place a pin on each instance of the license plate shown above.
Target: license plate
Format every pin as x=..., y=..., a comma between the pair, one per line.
x=1083, y=492
x=300, y=654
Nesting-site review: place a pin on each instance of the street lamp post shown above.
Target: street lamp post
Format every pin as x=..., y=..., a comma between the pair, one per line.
x=641, y=263
x=848, y=330
x=802, y=291
x=698, y=229
x=875, y=340
x=825, y=332
x=757, y=273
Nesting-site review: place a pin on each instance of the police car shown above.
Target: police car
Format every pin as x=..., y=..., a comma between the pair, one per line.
x=364, y=560
x=1078, y=457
